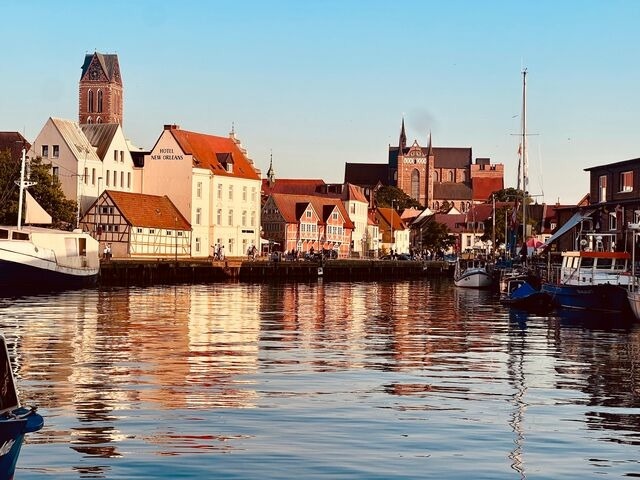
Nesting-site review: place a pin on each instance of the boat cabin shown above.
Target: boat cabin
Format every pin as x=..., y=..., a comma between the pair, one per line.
x=595, y=268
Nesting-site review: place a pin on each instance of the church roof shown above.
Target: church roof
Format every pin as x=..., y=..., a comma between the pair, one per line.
x=108, y=62
x=444, y=157
x=367, y=174
x=451, y=191
x=293, y=186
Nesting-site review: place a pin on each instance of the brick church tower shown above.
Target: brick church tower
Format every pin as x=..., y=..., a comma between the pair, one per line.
x=414, y=169
x=100, y=90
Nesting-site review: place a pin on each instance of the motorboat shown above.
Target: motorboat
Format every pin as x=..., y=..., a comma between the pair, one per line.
x=473, y=274
x=521, y=294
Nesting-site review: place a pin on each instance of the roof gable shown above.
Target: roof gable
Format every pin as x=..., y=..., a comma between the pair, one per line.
x=101, y=136
x=74, y=138
x=142, y=210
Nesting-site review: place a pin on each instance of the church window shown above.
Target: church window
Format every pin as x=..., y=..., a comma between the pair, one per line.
x=90, y=101
x=99, y=101
x=451, y=176
x=435, y=176
x=99, y=120
x=89, y=120
x=415, y=184
x=464, y=175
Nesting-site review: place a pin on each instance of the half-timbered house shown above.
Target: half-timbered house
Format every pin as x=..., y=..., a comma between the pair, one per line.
x=136, y=225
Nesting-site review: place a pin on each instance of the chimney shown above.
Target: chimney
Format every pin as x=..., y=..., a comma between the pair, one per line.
x=172, y=127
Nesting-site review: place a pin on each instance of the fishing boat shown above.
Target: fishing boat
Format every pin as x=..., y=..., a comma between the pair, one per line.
x=591, y=280
x=15, y=420
x=472, y=273
x=34, y=257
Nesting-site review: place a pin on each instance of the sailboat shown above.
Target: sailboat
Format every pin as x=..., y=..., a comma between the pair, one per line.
x=633, y=292
x=42, y=258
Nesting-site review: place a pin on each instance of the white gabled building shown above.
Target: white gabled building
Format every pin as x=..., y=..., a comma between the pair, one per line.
x=212, y=183
x=87, y=159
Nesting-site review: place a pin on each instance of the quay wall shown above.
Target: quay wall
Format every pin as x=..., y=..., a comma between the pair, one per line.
x=123, y=272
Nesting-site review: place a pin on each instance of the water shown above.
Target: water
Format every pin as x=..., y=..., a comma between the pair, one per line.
x=324, y=380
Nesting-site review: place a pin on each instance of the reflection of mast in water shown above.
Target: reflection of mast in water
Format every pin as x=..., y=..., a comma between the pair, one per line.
x=515, y=370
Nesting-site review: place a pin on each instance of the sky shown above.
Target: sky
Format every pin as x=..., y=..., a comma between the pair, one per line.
x=317, y=84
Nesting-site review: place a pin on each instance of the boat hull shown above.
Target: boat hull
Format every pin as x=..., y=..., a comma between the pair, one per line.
x=634, y=303
x=12, y=431
x=474, y=278
x=523, y=296
x=601, y=298
x=16, y=276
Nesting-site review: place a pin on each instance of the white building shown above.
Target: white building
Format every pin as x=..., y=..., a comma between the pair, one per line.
x=212, y=183
x=86, y=159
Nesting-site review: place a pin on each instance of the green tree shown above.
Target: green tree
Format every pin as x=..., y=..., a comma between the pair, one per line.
x=385, y=195
x=436, y=236
x=47, y=191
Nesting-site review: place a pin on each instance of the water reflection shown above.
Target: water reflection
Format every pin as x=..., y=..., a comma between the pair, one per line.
x=171, y=371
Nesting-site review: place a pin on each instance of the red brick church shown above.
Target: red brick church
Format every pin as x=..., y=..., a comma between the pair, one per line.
x=101, y=90
x=434, y=176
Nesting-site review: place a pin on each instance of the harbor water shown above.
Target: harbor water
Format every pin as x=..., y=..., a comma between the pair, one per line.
x=371, y=380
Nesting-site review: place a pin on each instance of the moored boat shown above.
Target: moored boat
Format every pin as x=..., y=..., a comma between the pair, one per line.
x=15, y=421
x=589, y=280
x=473, y=274
x=521, y=294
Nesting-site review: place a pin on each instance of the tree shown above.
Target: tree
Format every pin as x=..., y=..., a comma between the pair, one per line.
x=47, y=192
x=436, y=236
x=385, y=195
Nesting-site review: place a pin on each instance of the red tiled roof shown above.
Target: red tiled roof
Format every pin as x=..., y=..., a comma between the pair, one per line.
x=292, y=186
x=144, y=210
x=209, y=150
x=389, y=214
x=292, y=206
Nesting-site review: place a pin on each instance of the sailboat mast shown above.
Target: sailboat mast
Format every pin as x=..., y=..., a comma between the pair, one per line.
x=20, y=199
x=524, y=156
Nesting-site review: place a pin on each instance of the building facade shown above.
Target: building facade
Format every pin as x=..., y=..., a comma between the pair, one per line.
x=212, y=183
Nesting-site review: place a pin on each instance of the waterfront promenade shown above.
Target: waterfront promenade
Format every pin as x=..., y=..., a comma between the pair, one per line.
x=149, y=272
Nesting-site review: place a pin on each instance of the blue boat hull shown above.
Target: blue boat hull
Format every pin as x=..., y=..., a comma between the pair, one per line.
x=12, y=431
x=17, y=276
x=601, y=298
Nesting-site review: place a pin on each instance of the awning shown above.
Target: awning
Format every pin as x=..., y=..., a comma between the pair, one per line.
x=571, y=223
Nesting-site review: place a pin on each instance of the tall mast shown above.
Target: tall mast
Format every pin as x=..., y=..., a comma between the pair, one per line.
x=20, y=198
x=525, y=179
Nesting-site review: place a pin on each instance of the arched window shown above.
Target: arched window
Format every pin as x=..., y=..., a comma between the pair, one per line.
x=435, y=176
x=463, y=208
x=90, y=101
x=89, y=120
x=415, y=184
x=464, y=175
x=99, y=101
x=99, y=120
x=451, y=176
x=436, y=206
x=468, y=205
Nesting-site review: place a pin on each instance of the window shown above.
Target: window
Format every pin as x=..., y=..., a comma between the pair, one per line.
x=230, y=192
x=244, y=218
x=230, y=217
x=334, y=215
x=108, y=182
x=415, y=184
x=56, y=151
x=115, y=155
x=197, y=244
x=435, y=176
x=152, y=231
x=45, y=151
x=219, y=217
x=253, y=194
x=56, y=172
x=121, y=156
x=613, y=221
x=198, y=215
x=244, y=194
x=253, y=218
x=99, y=101
x=122, y=179
x=139, y=230
x=199, y=190
x=128, y=179
x=626, y=181
x=86, y=175
x=220, y=191
x=90, y=102
x=115, y=178
x=451, y=176
x=602, y=188
x=308, y=212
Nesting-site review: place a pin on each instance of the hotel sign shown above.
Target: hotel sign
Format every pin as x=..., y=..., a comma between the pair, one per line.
x=166, y=154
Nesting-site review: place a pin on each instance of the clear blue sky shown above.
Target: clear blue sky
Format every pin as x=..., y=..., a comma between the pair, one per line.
x=321, y=83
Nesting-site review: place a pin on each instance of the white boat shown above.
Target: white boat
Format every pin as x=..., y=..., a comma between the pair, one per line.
x=472, y=274
x=42, y=258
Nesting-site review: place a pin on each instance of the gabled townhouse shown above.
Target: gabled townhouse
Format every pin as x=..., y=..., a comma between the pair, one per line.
x=212, y=183
x=73, y=159
x=304, y=222
x=136, y=225
x=373, y=238
x=395, y=233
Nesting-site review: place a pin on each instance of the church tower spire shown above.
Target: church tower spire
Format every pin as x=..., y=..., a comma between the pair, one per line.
x=402, y=141
x=271, y=176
